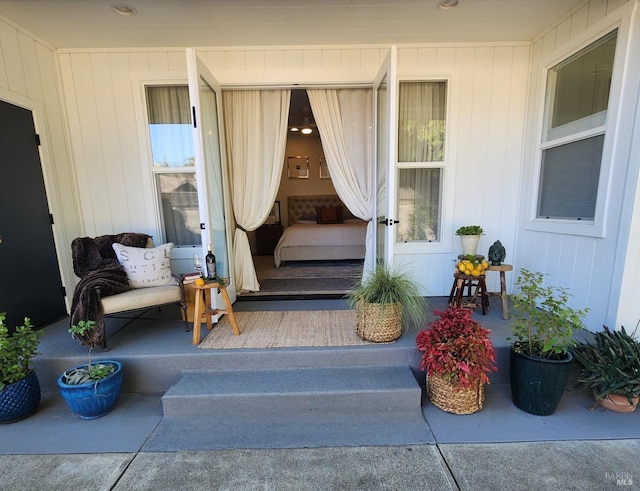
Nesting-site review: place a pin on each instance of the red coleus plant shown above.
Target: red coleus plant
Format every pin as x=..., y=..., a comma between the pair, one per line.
x=457, y=348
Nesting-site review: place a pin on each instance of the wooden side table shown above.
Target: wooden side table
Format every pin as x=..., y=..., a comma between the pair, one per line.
x=201, y=308
x=503, y=287
x=460, y=281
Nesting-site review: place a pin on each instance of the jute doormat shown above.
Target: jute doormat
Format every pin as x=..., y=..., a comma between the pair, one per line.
x=283, y=329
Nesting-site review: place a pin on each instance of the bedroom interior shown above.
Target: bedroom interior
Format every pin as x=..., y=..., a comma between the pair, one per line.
x=326, y=271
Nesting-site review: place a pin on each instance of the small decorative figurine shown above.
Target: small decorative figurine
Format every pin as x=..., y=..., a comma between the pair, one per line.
x=497, y=253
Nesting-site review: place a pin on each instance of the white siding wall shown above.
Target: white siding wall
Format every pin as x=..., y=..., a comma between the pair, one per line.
x=592, y=267
x=488, y=96
x=28, y=78
x=491, y=98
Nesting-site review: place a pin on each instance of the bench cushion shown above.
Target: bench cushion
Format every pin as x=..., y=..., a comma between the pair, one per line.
x=140, y=298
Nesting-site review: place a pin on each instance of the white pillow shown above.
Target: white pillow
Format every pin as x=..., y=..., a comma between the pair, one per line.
x=146, y=266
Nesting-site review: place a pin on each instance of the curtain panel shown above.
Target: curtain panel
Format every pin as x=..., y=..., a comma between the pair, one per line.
x=345, y=121
x=256, y=135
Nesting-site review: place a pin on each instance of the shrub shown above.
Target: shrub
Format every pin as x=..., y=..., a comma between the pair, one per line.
x=457, y=348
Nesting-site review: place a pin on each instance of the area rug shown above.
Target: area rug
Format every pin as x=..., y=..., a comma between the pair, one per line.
x=348, y=270
x=284, y=329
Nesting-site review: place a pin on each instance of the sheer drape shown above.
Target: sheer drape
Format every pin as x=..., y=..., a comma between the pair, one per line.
x=256, y=135
x=345, y=121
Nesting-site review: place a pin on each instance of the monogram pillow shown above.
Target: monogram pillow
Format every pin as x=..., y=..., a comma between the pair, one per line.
x=146, y=266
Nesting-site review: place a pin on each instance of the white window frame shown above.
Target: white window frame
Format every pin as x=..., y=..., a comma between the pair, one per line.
x=139, y=83
x=597, y=226
x=444, y=244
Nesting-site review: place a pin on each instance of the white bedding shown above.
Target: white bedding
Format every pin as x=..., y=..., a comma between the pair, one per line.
x=325, y=237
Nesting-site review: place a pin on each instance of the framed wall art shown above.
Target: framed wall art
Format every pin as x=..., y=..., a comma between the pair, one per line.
x=274, y=215
x=298, y=167
x=324, y=169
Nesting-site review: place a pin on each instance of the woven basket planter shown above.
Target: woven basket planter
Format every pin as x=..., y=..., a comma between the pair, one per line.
x=379, y=323
x=453, y=399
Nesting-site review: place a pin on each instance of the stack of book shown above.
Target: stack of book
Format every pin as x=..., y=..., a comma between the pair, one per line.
x=191, y=277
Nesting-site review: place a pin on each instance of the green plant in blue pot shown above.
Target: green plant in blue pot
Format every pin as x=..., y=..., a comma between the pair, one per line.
x=91, y=390
x=19, y=385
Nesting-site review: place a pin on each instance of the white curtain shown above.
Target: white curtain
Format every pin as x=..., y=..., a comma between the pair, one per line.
x=345, y=121
x=256, y=136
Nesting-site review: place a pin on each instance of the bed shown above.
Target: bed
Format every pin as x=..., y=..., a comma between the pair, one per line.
x=320, y=228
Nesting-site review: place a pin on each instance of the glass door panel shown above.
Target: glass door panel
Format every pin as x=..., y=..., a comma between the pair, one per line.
x=205, y=95
x=385, y=87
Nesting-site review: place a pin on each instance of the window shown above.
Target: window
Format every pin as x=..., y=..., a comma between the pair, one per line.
x=574, y=128
x=170, y=133
x=421, y=158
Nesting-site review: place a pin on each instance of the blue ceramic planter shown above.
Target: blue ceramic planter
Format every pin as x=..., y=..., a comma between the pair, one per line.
x=93, y=399
x=20, y=399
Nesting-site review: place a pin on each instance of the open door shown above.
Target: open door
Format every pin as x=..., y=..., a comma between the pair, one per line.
x=385, y=93
x=211, y=170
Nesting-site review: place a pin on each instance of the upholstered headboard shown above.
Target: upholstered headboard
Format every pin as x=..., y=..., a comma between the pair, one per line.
x=304, y=207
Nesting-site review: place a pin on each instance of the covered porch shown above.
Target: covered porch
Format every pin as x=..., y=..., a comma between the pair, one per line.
x=156, y=352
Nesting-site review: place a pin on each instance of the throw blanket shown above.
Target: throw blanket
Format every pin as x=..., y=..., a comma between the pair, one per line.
x=95, y=262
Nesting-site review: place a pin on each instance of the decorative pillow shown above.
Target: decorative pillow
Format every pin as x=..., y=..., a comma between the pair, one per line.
x=146, y=266
x=329, y=215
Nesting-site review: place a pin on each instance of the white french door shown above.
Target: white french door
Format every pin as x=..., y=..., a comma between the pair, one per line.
x=211, y=169
x=385, y=93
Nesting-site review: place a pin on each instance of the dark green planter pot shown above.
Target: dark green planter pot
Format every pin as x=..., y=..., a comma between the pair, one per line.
x=537, y=384
x=20, y=399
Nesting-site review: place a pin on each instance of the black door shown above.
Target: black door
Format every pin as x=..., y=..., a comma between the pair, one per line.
x=30, y=284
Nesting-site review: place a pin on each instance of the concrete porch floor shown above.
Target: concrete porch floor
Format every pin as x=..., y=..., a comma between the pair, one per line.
x=499, y=447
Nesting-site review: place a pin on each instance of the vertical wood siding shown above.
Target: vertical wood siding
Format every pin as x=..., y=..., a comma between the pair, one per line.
x=586, y=265
x=492, y=101
x=28, y=78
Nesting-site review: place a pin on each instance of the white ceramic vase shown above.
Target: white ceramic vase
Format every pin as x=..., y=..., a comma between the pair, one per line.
x=469, y=244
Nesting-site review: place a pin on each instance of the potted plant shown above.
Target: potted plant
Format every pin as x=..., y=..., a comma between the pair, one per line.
x=19, y=385
x=470, y=238
x=609, y=365
x=386, y=300
x=91, y=390
x=457, y=355
x=543, y=330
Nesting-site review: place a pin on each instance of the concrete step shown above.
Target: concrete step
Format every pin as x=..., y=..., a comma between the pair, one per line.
x=373, y=389
x=293, y=408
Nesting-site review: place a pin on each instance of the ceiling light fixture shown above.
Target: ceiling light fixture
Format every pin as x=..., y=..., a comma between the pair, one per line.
x=294, y=129
x=306, y=131
x=123, y=9
x=447, y=4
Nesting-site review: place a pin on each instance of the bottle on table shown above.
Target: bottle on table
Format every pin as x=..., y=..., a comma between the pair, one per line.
x=210, y=261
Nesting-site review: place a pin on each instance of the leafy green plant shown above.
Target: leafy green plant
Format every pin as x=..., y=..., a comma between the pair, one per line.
x=470, y=230
x=387, y=285
x=610, y=364
x=91, y=372
x=16, y=350
x=457, y=348
x=544, y=324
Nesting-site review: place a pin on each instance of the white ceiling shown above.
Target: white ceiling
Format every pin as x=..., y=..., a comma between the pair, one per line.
x=200, y=23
